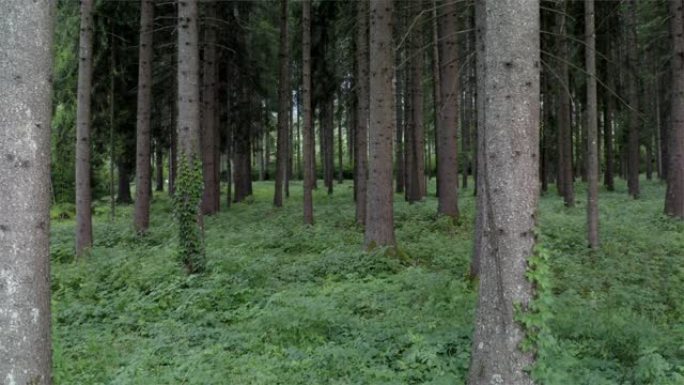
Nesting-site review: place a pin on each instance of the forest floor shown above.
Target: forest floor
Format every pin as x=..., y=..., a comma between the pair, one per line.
x=284, y=304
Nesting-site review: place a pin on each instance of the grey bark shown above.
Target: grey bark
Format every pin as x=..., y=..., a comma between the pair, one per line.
x=362, y=105
x=142, y=164
x=26, y=30
x=592, y=127
x=188, y=80
x=380, y=216
x=306, y=109
x=283, y=106
x=84, y=226
x=510, y=180
x=447, y=127
x=674, y=198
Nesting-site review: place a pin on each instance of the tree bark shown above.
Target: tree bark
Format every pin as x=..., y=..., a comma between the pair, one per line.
x=306, y=109
x=565, y=177
x=633, y=95
x=209, y=132
x=283, y=104
x=415, y=156
x=362, y=114
x=84, y=226
x=142, y=164
x=511, y=184
x=340, y=146
x=26, y=35
x=592, y=127
x=380, y=216
x=159, y=166
x=447, y=127
x=674, y=197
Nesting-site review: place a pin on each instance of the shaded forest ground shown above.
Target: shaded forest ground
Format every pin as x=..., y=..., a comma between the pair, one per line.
x=283, y=304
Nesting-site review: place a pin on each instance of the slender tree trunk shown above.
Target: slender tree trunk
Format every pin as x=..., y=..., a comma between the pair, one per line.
x=340, y=146
x=608, y=178
x=380, y=216
x=142, y=164
x=416, y=143
x=283, y=103
x=592, y=127
x=159, y=159
x=362, y=94
x=633, y=93
x=447, y=155
x=437, y=98
x=328, y=127
x=306, y=107
x=674, y=197
x=481, y=221
x=566, y=178
x=209, y=132
x=26, y=34
x=112, y=84
x=84, y=226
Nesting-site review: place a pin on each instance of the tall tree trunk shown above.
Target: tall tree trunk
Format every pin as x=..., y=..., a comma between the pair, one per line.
x=380, y=216
x=415, y=156
x=283, y=104
x=242, y=175
x=565, y=177
x=511, y=183
x=447, y=156
x=399, y=102
x=592, y=127
x=340, y=146
x=142, y=163
x=159, y=166
x=478, y=148
x=328, y=127
x=26, y=34
x=112, y=84
x=362, y=114
x=608, y=178
x=209, y=131
x=306, y=109
x=188, y=127
x=633, y=94
x=674, y=197
x=84, y=225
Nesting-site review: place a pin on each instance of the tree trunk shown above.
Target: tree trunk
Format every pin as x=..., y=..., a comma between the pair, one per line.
x=84, y=226
x=447, y=127
x=415, y=156
x=608, y=179
x=142, y=164
x=209, y=131
x=674, y=198
x=26, y=35
x=511, y=183
x=592, y=127
x=362, y=114
x=242, y=175
x=188, y=127
x=159, y=166
x=306, y=109
x=633, y=95
x=340, y=146
x=283, y=104
x=565, y=177
x=328, y=127
x=399, y=140
x=380, y=216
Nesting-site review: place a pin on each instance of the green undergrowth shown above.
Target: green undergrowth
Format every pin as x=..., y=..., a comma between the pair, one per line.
x=280, y=303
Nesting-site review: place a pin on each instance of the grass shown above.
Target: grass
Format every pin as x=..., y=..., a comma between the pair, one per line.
x=285, y=304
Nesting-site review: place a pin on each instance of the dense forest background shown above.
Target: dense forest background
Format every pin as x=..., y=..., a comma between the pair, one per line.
x=345, y=192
